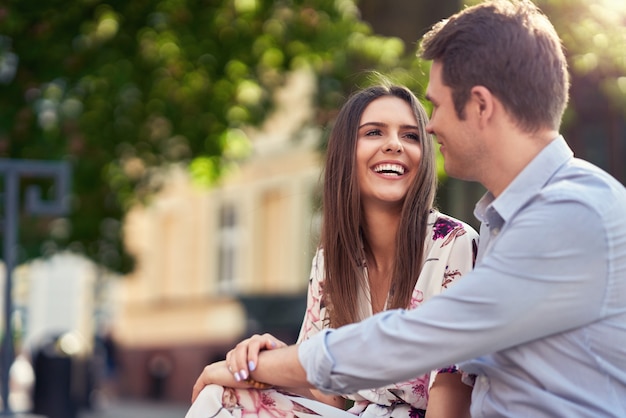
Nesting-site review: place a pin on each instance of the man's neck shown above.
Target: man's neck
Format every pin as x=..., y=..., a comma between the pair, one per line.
x=512, y=154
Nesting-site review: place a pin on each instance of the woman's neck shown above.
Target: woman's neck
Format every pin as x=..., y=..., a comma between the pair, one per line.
x=379, y=231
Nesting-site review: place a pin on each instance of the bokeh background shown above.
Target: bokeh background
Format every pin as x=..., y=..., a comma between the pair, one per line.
x=195, y=131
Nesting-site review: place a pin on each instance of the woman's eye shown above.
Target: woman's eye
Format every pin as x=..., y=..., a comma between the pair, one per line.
x=373, y=132
x=413, y=136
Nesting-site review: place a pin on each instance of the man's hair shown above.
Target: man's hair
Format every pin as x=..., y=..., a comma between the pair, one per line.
x=511, y=48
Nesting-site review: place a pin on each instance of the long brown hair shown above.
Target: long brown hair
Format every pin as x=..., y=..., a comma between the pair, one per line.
x=341, y=236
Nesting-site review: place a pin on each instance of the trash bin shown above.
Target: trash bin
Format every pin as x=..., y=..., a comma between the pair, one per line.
x=59, y=369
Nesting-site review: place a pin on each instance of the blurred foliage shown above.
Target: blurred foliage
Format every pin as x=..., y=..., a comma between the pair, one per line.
x=594, y=35
x=121, y=89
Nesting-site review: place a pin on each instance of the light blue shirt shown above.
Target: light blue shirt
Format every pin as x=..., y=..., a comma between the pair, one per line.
x=541, y=320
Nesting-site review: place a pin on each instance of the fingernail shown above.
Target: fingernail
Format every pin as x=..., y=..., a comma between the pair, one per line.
x=237, y=377
x=243, y=374
x=274, y=344
x=251, y=365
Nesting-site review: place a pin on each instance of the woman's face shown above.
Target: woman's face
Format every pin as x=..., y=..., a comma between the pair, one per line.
x=388, y=151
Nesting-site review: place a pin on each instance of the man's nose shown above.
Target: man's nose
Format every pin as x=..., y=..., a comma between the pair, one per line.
x=429, y=128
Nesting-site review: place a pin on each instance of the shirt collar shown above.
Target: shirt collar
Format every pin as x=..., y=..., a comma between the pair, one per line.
x=527, y=183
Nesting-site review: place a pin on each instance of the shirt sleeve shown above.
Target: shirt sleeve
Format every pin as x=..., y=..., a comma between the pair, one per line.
x=528, y=286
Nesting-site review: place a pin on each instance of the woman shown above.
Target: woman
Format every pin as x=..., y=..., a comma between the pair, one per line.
x=383, y=246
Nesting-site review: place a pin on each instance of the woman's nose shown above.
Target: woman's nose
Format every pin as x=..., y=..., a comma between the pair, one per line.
x=393, y=144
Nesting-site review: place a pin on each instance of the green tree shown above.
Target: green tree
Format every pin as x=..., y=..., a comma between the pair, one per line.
x=594, y=34
x=123, y=88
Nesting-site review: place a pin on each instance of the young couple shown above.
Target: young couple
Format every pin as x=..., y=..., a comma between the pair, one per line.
x=537, y=328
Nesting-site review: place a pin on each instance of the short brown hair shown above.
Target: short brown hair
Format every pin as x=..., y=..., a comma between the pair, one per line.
x=511, y=48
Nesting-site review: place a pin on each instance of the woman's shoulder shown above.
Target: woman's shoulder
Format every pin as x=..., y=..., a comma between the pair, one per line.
x=319, y=255
x=317, y=266
x=443, y=225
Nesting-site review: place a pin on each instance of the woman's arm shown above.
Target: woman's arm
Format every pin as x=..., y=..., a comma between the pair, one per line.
x=278, y=367
x=449, y=397
x=332, y=400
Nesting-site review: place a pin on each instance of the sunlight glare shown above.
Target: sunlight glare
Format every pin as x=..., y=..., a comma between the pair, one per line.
x=615, y=6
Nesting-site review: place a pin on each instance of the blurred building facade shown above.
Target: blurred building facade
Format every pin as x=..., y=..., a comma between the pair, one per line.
x=214, y=265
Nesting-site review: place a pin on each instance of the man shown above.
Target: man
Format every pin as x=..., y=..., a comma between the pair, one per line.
x=541, y=321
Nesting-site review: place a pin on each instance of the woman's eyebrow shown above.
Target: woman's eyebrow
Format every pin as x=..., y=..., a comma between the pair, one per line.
x=409, y=127
x=372, y=123
x=384, y=124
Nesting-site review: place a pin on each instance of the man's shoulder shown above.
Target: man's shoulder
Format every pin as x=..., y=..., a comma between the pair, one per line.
x=581, y=182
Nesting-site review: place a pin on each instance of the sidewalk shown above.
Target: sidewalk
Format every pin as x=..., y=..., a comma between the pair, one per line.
x=121, y=408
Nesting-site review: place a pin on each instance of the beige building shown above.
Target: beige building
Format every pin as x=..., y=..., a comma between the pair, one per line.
x=208, y=259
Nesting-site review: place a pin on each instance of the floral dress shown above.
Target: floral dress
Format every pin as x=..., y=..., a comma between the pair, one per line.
x=450, y=251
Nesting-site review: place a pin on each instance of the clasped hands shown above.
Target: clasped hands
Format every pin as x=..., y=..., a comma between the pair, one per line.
x=240, y=362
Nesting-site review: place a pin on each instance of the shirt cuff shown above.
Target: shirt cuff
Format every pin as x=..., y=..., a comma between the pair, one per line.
x=316, y=360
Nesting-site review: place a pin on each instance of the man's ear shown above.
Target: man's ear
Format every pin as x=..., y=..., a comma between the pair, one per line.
x=482, y=102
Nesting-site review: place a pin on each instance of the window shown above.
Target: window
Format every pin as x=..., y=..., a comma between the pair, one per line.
x=228, y=242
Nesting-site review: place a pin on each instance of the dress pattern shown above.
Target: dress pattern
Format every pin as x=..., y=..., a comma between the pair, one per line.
x=449, y=253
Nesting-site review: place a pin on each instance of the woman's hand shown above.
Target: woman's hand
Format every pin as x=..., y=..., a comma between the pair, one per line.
x=244, y=358
x=240, y=361
x=218, y=374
